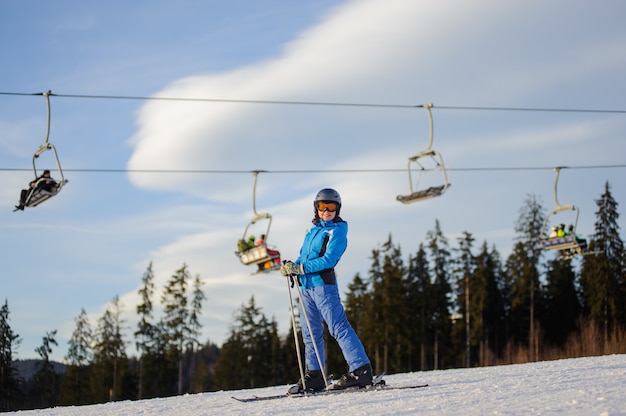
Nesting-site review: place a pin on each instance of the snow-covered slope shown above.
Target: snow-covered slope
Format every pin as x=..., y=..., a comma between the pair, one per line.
x=583, y=386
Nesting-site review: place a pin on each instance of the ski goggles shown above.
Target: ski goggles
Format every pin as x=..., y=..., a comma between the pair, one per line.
x=326, y=206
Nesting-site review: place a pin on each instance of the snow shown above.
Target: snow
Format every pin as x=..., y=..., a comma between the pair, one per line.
x=581, y=386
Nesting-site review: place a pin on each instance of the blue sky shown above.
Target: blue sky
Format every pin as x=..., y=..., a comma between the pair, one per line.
x=95, y=239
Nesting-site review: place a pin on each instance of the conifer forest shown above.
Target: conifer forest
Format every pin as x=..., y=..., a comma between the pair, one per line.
x=441, y=304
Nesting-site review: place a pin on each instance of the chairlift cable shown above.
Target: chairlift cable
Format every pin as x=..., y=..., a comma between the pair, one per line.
x=320, y=103
x=290, y=171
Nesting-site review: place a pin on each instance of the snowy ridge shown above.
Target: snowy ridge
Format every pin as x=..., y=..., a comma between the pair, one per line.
x=581, y=386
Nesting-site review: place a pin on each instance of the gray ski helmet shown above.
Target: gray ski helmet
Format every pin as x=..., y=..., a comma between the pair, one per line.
x=328, y=195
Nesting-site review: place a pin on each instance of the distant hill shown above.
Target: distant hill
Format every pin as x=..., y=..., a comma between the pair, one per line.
x=27, y=368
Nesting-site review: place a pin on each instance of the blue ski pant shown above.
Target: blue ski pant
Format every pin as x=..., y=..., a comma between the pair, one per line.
x=322, y=304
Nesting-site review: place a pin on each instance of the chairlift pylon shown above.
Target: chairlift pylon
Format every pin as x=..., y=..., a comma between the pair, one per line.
x=566, y=242
x=416, y=194
x=37, y=194
x=257, y=252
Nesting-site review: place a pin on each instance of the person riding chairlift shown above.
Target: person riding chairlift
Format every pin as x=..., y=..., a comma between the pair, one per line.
x=272, y=253
x=43, y=182
x=582, y=242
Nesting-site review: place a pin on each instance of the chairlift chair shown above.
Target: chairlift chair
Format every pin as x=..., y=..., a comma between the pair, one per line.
x=568, y=245
x=416, y=194
x=36, y=195
x=261, y=255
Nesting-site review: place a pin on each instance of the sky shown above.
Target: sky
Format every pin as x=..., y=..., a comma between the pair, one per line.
x=170, y=182
x=583, y=386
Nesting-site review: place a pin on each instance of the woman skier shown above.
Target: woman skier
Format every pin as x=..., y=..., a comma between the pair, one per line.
x=321, y=250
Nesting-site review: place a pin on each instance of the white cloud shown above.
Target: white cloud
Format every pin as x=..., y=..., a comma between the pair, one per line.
x=343, y=57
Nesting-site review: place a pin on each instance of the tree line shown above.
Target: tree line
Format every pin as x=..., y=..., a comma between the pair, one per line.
x=463, y=305
x=445, y=305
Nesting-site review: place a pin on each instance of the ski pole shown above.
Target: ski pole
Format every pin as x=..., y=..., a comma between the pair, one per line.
x=295, y=334
x=308, y=325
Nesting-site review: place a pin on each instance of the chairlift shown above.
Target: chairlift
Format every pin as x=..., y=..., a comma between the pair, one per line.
x=566, y=242
x=251, y=252
x=416, y=194
x=36, y=194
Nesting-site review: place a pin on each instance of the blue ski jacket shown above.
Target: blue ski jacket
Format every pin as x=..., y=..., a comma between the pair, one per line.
x=321, y=250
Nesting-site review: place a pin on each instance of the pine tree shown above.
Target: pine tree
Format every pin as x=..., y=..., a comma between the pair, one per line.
x=467, y=290
x=356, y=299
x=146, y=331
x=154, y=371
x=488, y=304
x=602, y=277
x=372, y=330
x=387, y=315
x=176, y=319
x=9, y=342
x=421, y=308
x=231, y=370
x=392, y=316
x=79, y=352
x=109, y=354
x=441, y=326
x=560, y=301
x=257, y=333
x=248, y=355
x=273, y=367
x=192, y=341
x=196, y=311
x=207, y=357
x=79, y=355
x=47, y=381
x=522, y=268
x=160, y=373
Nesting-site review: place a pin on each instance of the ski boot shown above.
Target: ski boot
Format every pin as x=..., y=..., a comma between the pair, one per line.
x=361, y=377
x=314, y=381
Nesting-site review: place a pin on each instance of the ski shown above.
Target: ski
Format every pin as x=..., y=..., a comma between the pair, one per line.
x=380, y=387
x=261, y=398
